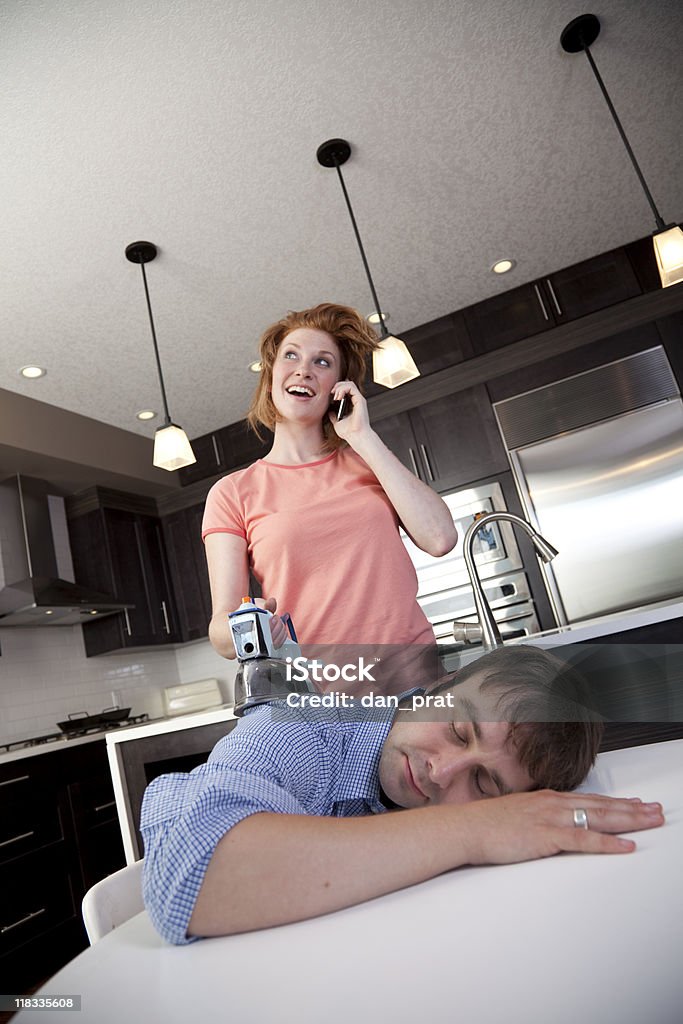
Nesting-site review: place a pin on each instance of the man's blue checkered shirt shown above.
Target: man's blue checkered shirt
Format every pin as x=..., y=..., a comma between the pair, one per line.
x=276, y=759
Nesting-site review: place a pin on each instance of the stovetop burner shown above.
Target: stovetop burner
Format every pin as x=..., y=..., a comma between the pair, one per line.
x=62, y=737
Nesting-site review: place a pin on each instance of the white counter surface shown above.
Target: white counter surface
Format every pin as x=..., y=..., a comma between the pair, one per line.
x=572, y=938
x=606, y=625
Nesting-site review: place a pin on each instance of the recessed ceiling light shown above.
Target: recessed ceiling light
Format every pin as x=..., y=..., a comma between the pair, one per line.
x=503, y=266
x=255, y=367
x=146, y=414
x=375, y=318
x=32, y=372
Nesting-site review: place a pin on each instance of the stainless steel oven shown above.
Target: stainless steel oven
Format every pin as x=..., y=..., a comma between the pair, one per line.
x=444, y=590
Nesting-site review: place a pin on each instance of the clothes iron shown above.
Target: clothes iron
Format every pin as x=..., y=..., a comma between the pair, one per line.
x=262, y=674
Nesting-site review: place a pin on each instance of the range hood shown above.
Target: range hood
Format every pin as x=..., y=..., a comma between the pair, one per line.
x=35, y=561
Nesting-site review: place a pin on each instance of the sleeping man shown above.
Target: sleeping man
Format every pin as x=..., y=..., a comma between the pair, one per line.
x=299, y=812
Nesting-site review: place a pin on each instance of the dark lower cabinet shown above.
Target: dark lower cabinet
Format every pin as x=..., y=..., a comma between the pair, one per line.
x=189, y=573
x=122, y=552
x=447, y=443
x=59, y=835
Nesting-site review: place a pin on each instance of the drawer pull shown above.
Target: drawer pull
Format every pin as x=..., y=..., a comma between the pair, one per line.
x=541, y=302
x=15, y=839
x=19, y=778
x=125, y=612
x=105, y=807
x=166, y=625
x=29, y=917
x=412, y=459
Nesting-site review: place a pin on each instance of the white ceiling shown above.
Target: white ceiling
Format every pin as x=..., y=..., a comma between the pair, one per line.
x=195, y=123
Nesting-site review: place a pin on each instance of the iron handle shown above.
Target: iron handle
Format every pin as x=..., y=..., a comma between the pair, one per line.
x=416, y=471
x=19, y=778
x=427, y=463
x=104, y=807
x=215, y=449
x=15, y=839
x=128, y=630
x=553, y=296
x=166, y=625
x=29, y=917
x=541, y=302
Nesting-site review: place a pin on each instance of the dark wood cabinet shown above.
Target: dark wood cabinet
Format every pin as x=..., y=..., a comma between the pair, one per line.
x=189, y=573
x=59, y=835
x=119, y=551
x=211, y=460
x=447, y=443
x=553, y=300
x=223, y=450
x=434, y=346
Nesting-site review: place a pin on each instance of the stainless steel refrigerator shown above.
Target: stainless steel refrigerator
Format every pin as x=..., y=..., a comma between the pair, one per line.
x=598, y=461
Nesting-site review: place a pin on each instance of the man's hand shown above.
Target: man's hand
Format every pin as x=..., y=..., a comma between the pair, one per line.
x=525, y=826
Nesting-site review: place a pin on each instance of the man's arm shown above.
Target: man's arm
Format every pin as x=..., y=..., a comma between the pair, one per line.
x=272, y=869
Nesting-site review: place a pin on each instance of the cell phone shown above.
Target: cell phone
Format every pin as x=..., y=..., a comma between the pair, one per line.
x=342, y=407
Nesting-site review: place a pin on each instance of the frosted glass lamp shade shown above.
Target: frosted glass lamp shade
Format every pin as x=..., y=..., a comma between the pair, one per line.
x=669, y=254
x=172, y=450
x=392, y=363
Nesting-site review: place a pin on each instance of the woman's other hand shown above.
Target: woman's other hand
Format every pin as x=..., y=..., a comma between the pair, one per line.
x=278, y=628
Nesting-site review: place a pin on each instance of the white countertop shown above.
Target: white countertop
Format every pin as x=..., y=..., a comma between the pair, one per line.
x=171, y=724
x=49, y=748
x=606, y=625
x=572, y=938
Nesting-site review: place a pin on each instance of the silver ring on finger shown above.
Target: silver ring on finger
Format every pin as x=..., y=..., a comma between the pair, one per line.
x=580, y=818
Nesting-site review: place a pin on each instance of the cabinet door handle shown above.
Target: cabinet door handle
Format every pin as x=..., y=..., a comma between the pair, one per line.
x=19, y=778
x=15, y=839
x=427, y=463
x=553, y=296
x=215, y=449
x=105, y=807
x=416, y=471
x=166, y=625
x=23, y=920
x=128, y=631
x=541, y=302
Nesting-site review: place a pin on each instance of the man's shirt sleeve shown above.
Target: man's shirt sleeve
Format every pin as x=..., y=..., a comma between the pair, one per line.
x=261, y=765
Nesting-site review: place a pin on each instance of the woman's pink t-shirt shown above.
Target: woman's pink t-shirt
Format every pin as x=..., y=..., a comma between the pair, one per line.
x=322, y=538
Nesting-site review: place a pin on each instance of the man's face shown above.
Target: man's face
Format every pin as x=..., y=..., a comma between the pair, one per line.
x=465, y=755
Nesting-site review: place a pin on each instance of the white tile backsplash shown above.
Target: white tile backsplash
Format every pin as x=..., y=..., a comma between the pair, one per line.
x=45, y=676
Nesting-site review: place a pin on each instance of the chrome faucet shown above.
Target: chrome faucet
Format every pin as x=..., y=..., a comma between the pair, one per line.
x=487, y=631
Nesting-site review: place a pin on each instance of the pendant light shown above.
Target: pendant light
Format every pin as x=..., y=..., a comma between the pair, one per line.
x=578, y=35
x=172, y=450
x=392, y=363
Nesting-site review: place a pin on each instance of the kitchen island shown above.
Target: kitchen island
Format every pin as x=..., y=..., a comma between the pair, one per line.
x=574, y=937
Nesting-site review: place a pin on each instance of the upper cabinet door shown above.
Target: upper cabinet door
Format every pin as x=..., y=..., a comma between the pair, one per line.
x=211, y=459
x=558, y=298
x=457, y=439
x=508, y=317
x=591, y=285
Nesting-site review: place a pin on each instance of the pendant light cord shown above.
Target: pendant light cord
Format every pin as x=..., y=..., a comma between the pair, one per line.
x=658, y=219
x=167, y=420
x=383, y=331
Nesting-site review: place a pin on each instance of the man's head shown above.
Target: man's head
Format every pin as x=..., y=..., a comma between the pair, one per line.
x=519, y=720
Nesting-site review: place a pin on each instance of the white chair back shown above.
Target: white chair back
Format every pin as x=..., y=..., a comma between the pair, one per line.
x=112, y=901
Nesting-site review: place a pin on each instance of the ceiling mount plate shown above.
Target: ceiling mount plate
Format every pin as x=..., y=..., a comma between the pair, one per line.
x=141, y=252
x=580, y=33
x=333, y=153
